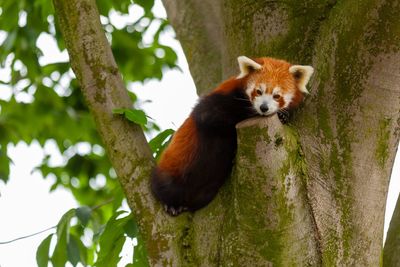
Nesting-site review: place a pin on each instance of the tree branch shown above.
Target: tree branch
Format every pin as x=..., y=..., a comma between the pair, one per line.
x=101, y=84
x=198, y=25
x=26, y=236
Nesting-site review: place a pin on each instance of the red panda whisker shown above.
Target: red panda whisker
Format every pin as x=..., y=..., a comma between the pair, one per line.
x=243, y=99
x=284, y=110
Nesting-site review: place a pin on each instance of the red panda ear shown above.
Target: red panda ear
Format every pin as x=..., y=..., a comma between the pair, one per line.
x=246, y=65
x=302, y=75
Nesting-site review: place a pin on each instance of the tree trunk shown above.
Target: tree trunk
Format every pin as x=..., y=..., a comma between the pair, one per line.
x=308, y=194
x=347, y=131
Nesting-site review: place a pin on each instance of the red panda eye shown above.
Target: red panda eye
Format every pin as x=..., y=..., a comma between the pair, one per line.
x=276, y=97
x=259, y=92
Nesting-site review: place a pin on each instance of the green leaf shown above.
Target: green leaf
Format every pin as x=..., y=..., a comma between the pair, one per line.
x=84, y=213
x=8, y=44
x=140, y=255
x=134, y=115
x=132, y=96
x=157, y=142
x=42, y=253
x=112, y=240
x=63, y=224
x=98, y=232
x=112, y=258
x=73, y=251
x=9, y=17
x=60, y=256
x=131, y=228
x=119, y=111
x=4, y=163
x=146, y=4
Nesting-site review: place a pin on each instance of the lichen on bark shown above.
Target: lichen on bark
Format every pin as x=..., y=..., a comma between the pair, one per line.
x=269, y=200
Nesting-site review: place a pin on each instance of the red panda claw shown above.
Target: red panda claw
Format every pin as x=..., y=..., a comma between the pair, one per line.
x=283, y=116
x=174, y=211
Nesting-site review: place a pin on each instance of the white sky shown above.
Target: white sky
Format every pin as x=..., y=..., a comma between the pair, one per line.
x=25, y=204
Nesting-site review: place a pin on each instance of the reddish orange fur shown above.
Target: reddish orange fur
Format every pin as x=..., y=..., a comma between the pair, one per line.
x=228, y=85
x=275, y=73
x=180, y=151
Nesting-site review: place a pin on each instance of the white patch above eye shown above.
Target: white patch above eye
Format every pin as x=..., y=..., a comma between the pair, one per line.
x=302, y=75
x=262, y=87
x=250, y=88
x=276, y=90
x=246, y=65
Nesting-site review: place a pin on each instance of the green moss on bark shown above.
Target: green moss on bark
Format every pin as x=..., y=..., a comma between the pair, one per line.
x=269, y=193
x=285, y=29
x=185, y=235
x=350, y=39
x=382, y=148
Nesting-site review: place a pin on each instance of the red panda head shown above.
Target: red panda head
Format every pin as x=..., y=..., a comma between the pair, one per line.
x=273, y=84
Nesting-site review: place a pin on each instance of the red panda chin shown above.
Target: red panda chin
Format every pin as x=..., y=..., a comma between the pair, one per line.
x=201, y=153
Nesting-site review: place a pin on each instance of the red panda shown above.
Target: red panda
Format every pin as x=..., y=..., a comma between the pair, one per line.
x=201, y=153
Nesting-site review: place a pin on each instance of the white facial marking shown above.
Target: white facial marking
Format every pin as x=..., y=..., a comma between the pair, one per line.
x=250, y=88
x=276, y=90
x=288, y=98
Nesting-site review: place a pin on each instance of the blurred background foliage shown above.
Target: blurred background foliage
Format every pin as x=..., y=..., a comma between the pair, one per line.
x=45, y=105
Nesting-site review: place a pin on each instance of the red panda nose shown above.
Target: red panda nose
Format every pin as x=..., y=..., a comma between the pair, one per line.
x=264, y=107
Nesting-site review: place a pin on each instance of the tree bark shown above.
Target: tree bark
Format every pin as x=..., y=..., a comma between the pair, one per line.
x=308, y=194
x=101, y=84
x=348, y=128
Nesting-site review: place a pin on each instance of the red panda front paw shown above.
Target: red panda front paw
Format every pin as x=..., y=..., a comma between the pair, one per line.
x=283, y=116
x=174, y=211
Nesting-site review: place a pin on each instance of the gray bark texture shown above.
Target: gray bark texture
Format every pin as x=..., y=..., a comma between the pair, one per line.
x=311, y=193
